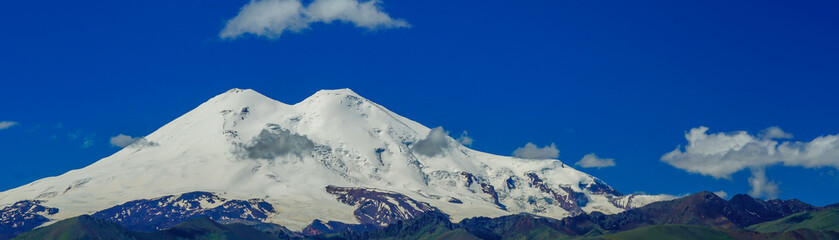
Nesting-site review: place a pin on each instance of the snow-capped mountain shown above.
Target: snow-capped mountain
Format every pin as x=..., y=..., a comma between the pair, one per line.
x=335, y=156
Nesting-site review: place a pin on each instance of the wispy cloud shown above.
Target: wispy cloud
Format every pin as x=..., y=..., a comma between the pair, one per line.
x=7, y=124
x=271, y=18
x=88, y=141
x=532, y=151
x=591, y=160
x=721, y=154
x=87, y=138
x=465, y=139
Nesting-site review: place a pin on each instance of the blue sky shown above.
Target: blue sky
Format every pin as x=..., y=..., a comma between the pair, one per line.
x=621, y=79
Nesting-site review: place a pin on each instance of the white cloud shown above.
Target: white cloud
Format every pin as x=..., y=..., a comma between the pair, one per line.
x=722, y=194
x=434, y=144
x=531, y=151
x=465, y=139
x=761, y=185
x=590, y=160
x=721, y=154
x=271, y=18
x=123, y=140
x=7, y=124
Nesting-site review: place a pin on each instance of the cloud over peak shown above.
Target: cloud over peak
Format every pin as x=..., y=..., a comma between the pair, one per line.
x=271, y=18
x=434, y=144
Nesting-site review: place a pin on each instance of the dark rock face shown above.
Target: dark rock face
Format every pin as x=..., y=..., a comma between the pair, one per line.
x=750, y=210
x=625, y=204
x=511, y=183
x=485, y=188
x=703, y=209
x=319, y=227
x=496, y=228
x=271, y=228
x=241, y=219
x=519, y=226
x=160, y=213
x=412, y=228
x=572, y=202
x=379, y=207
x=600, y=188
x=23, y=216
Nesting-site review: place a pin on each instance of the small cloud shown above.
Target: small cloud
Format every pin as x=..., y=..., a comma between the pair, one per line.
x=761, y=185
x=123, y=140
x=87, y=142
x=271, y=18
x=465, y=139
x=274, y=141
x=774, y=133
x=7, y=124
x=531, y=151
x=722, y=194
x=434, y=144
x=590, y=160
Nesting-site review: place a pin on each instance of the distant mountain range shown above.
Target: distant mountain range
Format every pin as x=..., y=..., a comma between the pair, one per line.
x=336, y=165
x=699, y=216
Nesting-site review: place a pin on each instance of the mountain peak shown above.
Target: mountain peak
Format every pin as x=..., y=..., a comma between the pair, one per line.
x=241, y=144
x=334, y=97
x=237, y=97
x=343, y=93
x=238, y=90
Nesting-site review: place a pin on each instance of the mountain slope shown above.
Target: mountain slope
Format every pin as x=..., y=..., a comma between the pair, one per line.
x=81, y=227
x=698, y=209
x=243, y=145
x=683, y=232
x=819, y=224
x=23, y=216
x=204, y=228
x=825, y=219
x=86, y=227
